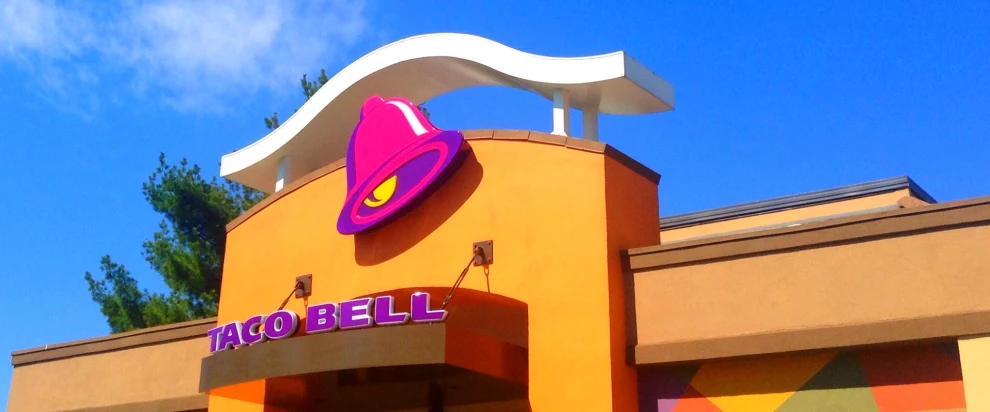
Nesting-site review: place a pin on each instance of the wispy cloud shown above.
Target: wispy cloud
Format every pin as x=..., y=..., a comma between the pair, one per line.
x=193, y=54
x=41, y=27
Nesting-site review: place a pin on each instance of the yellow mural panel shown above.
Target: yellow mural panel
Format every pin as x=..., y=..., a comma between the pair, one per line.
x=756, y=385
x=975, y=358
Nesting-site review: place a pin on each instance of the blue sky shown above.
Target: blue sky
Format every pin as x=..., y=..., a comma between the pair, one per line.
x=772, y=99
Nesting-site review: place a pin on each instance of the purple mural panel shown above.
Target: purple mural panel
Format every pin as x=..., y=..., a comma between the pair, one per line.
x=660, y=389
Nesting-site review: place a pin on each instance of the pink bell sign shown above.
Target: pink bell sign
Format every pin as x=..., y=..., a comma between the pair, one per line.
x=394, y=156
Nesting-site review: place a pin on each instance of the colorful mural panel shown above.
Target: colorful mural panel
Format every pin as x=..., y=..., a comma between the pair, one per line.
x=922, y=378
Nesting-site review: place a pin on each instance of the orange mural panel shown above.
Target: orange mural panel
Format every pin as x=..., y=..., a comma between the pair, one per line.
x=692, y=401
x=915, y=378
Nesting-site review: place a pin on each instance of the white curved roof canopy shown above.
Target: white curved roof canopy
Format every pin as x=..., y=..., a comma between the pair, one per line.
x=422, y=67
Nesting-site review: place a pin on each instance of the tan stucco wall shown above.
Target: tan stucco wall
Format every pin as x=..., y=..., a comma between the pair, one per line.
x=891, y=279
x=133, y=375
x=785, y=216
x=974, y=355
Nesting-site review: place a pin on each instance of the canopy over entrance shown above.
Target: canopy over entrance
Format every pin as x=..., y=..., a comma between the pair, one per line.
x=477, y=355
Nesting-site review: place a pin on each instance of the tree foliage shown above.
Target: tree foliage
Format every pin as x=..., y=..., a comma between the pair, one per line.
x=187, y=249
x=309, y=88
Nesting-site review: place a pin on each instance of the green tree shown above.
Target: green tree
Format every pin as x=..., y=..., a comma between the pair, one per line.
x=186, y=250
x=188, y=247
x=309, y=88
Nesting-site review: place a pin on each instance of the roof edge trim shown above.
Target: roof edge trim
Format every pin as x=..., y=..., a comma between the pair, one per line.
x=118, y=341
x=857, y=228
x=795, y=201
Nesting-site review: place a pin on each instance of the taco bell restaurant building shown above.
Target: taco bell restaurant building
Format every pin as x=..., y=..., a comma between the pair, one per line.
x=400, y=266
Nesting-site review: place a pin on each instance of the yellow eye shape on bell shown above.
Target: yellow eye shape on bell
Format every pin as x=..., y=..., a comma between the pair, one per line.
x=382, y=193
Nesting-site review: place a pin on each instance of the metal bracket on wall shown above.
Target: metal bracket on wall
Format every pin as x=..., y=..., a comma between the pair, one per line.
x=486, y=255
x=304, y=286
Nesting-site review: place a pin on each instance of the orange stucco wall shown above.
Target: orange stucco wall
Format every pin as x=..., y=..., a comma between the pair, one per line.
x=633, y=210
x=558, y=217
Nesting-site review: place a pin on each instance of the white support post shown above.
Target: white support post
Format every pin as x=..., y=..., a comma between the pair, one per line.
x=589, y=119
x=561, y=112
x=282, y=176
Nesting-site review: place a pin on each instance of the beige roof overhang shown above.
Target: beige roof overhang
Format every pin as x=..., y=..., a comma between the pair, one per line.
x=422, y=67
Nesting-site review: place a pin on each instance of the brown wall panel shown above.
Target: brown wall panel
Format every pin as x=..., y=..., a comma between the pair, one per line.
x=776, y=295
x=156, y=374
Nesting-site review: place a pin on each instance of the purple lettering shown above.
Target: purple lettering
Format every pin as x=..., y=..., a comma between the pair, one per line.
x=350, y=314
x=321, y=318
x=421, y=312
x=250, y=330
x=214, y=335
x=230, y=337
x=281, y=324
x=385, y=312
x=355, y=313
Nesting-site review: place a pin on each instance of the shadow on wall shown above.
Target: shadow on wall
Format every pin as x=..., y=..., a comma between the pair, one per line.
x=437, y=204
x=900, y=378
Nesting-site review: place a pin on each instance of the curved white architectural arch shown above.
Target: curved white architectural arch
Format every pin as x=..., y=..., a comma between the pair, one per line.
x=422, y=67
